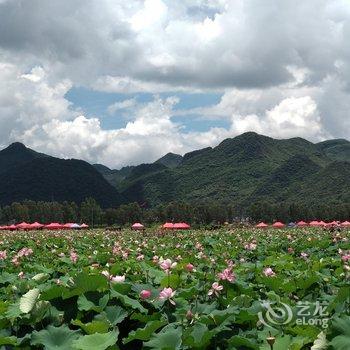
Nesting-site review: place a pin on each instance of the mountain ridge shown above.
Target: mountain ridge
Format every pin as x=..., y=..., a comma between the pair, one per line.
x=26, y=174
x=231, y=171
x=240, y=170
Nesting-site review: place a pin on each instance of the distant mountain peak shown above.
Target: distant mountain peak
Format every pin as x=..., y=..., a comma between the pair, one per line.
x=16, y=146
x=170, y=160
x=17, y=154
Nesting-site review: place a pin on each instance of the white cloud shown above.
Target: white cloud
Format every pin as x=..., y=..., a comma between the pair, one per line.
x=152, y=14
x=192, y=44
x=292, y=117
x=29, y=100
x=122, y=105
x=283, y=69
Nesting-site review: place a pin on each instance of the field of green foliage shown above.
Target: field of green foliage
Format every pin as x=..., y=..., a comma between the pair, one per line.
x=224, y=289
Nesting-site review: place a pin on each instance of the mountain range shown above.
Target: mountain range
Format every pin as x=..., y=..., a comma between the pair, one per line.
x=26, y=174
x=240, y=170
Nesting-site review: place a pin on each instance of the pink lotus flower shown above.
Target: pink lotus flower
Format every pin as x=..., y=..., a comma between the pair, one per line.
x=230, y=264
x=304, y=255
x=268, y=272
x=167, y=264
x=21, y=275
x=73, y=257
x=117, y=279
x=116, y=250
x=155, y=259
x=140, y=257
x=145, y=294
x=189, y=267
x=25, y=252
x=15, y=261
x=346, y=257
x=215, y=289
x=167, y=294
x=3, y=254
x=227, y=275
x=250, y=246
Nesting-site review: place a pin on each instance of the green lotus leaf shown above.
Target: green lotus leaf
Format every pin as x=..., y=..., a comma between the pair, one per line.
x=96, y=341
x=55, y=338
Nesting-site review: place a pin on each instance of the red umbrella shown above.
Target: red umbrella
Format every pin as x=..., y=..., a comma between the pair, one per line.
x=261, y=225
x=302, y=223
x=181, y=226
x=345, y=223
x=137, y=226
x=23, y=226
x=314, y=223
x=12, y=227
x=54, y=226
x=278, y=224
x=168, y=226
x=36, y=226
x=68, y=225
x=84, y=226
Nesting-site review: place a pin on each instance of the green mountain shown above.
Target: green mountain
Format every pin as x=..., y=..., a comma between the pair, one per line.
x=26, y=174
x=17, y=154
x=287, y=180
x=242, y=170
x=113, y=176
x=170, y=160
x=116, y=177
x=330, y=184
x=336, y=149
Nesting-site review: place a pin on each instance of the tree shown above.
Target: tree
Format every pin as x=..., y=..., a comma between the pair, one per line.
x=90, y=212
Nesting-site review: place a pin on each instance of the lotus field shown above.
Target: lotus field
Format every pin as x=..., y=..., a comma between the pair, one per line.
x=224, y=289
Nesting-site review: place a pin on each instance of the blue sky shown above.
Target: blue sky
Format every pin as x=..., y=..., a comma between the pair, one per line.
x=95, y=103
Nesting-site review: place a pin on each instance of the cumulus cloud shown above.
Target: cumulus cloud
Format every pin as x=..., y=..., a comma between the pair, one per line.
x=283, y=69
x=29, y=100
x=195, y=44
x=292, y=117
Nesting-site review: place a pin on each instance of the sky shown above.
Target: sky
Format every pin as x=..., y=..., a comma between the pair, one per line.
x=124, y=82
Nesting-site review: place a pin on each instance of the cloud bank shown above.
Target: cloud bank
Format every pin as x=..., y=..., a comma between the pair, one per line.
x=282, y=69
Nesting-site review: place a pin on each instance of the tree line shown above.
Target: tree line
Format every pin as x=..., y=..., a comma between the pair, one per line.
x=209, y=213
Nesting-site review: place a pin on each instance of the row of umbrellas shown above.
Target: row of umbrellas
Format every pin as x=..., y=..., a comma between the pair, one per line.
x=167, y=226
x=321, y=223
x=37, y=226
